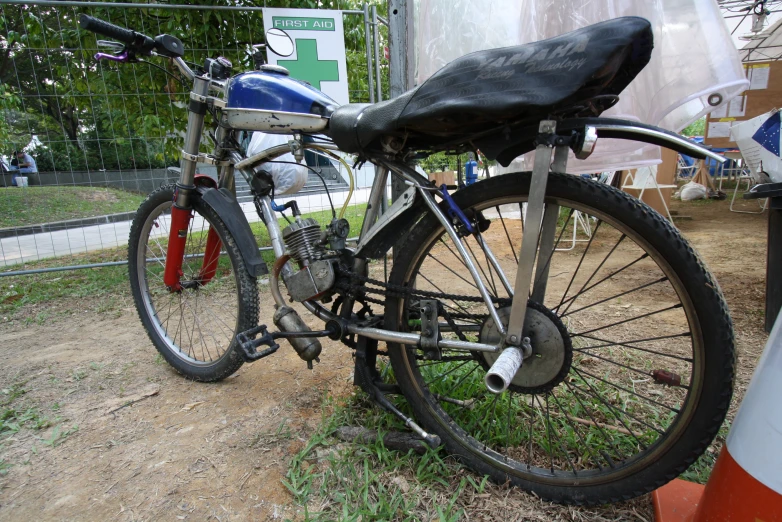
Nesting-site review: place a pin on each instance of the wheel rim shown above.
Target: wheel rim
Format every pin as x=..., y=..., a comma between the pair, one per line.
x=609, y=417
x=198, y=324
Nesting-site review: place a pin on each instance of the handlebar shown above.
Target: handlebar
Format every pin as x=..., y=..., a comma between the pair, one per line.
x=126, y=36
x=136, y=43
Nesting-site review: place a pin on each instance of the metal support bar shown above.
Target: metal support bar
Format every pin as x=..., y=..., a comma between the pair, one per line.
x=415, y=179
x=187, y=165
x=414, y=339
x=376, y=194
x=275, y=235
x=376, y=41
x=773, y=263
x=368, y=44
x=529, y=242
x=457, y=242
x=548, y=230
x=546, y=250
x=495, y=264
x=397, y=65
x=125, y=5
x=560, y=159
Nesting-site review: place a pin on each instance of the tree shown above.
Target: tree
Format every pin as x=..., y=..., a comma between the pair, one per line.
x=100, y=115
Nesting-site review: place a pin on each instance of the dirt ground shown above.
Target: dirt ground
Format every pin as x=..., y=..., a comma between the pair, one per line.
x=191, y=451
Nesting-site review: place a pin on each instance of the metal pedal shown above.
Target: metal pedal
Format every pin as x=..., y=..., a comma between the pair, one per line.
x=248, y=343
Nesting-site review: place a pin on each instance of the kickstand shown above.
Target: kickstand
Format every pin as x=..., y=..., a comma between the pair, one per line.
x=368, y=379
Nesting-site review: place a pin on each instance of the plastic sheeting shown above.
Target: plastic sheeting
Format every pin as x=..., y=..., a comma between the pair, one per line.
x=693, y=59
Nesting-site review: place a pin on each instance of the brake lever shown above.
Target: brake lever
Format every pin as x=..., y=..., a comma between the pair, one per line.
x=123, y=57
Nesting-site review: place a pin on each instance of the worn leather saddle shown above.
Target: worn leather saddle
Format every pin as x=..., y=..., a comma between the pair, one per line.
x=501, y=94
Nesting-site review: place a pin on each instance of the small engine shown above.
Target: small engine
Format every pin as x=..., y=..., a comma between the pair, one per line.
x=304, y=241
x=306, y=245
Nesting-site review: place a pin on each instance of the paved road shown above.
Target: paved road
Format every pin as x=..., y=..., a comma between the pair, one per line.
x=15, y=251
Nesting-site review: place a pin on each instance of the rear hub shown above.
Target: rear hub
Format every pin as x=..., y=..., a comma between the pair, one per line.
x=552, y=351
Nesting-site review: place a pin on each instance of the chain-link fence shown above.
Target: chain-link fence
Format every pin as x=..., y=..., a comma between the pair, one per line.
x=96, y=137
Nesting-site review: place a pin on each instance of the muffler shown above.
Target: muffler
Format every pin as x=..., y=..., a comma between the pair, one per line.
x=504, y=369
x=288, y=320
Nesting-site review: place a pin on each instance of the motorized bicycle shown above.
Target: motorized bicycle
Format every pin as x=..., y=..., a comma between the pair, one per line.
x=587, y=375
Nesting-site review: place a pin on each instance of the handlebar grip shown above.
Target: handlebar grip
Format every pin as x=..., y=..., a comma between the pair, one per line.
x=95, y=25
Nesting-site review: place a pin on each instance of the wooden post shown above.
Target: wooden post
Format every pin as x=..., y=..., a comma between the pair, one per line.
x=774, y=263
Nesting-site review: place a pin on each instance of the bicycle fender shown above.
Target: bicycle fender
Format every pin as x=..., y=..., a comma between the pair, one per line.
x=226, y=206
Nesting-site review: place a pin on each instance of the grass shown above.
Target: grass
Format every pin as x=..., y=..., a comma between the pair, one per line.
x=18, y=292
x=701, y=469
x=36, y=205
x=108, y=283
x=17, y=416
x=335, y=481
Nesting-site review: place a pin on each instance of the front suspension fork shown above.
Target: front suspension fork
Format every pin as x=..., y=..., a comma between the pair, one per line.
x=175, y=254
x=182, y=210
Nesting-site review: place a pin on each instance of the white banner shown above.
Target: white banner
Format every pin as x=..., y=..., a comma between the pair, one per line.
x=319, y=48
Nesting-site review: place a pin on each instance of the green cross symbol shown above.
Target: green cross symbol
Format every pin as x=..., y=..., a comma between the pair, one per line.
x=308, y=68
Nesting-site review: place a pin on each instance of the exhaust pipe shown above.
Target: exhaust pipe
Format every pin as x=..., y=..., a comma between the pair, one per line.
x=288, y=320
x=504, y=369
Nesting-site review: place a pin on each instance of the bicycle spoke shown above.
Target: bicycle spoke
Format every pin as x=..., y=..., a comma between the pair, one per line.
x=599, y=266
x=471, y=283
x=578, y=267
x=611, y=361
x=579, y=334
x=581, y=440
x=598, y=425
x=441, y=291
x=454, y=254
x=641, y=287
x=626, y=390
x=574, y=297
x=510, y=243
x=559, y=439
x=489, y=281
x=627, y=344
x=614, y=410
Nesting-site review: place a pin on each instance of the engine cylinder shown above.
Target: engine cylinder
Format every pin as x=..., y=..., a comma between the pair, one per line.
x=302, y=239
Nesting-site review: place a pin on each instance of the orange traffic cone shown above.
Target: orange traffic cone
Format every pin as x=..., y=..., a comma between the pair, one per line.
x=746, y=482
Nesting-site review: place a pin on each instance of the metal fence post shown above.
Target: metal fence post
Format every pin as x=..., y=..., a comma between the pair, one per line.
x=398, y=25
x=368, y=45
x=378, y=83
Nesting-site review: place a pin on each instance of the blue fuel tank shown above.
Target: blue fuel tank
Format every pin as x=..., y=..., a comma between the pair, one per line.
x=269, y=100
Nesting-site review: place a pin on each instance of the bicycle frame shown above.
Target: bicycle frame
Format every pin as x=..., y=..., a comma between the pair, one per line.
x=512, y=345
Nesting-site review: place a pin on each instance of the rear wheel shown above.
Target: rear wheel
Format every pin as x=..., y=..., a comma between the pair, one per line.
x=633, y=357
x=195, y=328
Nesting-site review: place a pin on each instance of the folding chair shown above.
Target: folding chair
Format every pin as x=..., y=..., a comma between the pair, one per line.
x=646, y=178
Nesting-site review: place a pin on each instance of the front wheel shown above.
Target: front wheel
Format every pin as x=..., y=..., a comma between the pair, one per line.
x=633, y=355
x=195, y=328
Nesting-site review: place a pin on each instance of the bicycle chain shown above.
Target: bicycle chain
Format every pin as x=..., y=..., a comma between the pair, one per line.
x=356, y=287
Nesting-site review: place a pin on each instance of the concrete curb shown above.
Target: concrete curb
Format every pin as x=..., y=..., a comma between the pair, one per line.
x=65, y=225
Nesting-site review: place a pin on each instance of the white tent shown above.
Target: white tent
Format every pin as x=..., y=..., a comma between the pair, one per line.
x=693, y=59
